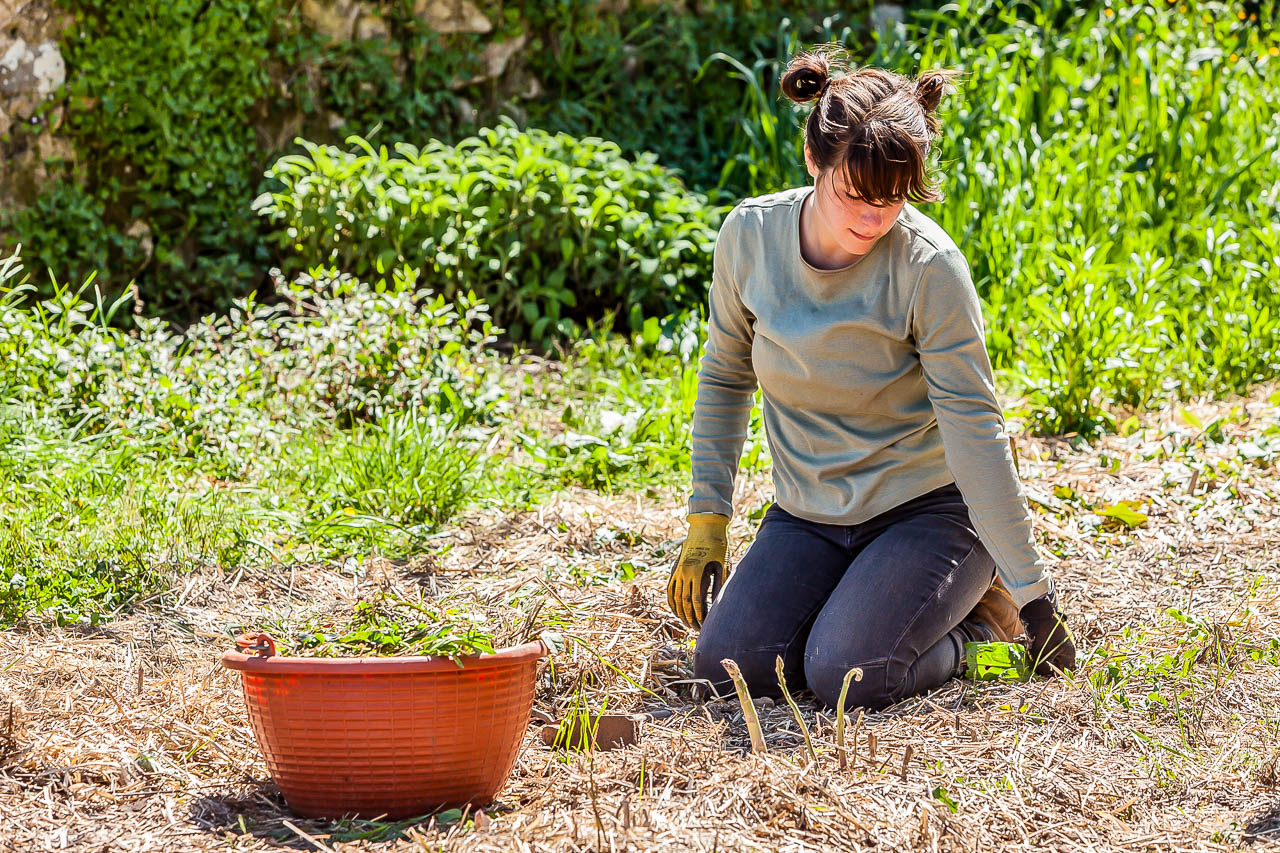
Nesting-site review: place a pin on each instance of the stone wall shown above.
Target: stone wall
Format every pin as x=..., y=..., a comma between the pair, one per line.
x=31, y=70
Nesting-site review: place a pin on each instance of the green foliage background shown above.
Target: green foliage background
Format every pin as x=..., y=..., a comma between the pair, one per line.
x=176, y=137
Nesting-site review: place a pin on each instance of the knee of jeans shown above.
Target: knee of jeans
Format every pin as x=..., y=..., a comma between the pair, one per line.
x=712, y=647
x=757, y=672
x=825, y=677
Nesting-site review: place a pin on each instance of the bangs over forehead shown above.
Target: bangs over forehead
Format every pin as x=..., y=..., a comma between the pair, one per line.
x=872, y=131
x=882, y=166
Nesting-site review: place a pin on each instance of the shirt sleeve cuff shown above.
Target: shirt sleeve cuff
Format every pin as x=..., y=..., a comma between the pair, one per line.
x=1023, y=593
x=716, y=505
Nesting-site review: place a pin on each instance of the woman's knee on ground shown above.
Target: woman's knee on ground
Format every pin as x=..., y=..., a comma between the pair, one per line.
x=832, y=649
x=758, y=666
x=825, y=675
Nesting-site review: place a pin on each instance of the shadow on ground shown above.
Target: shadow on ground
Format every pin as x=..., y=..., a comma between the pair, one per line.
x=1264, y=825
x=259, y=810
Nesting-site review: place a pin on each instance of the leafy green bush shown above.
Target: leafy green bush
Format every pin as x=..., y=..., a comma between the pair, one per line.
x=548, y=229
x=336, y=350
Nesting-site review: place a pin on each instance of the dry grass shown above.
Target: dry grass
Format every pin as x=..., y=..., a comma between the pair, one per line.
x=130, y=736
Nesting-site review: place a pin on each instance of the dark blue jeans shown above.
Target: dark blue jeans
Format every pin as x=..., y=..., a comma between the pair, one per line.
x=886, y=595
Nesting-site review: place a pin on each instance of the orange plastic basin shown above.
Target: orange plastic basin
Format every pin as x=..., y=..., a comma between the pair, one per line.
x=376, y=736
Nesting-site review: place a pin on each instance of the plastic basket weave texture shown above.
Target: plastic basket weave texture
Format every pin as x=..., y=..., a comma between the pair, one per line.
x=389, y=736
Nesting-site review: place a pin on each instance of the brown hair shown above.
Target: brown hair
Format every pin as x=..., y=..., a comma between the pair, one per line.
x=877, y=125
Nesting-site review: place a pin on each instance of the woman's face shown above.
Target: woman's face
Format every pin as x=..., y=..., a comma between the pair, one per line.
x=850, y=222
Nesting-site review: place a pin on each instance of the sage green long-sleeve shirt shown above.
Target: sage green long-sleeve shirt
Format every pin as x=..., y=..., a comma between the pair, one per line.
x=876, y=381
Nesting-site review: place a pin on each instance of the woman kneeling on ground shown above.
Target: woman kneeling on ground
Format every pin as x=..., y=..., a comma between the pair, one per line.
x=898, y=508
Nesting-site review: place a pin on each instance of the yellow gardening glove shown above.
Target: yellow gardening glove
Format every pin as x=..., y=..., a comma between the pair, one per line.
x=701, y=567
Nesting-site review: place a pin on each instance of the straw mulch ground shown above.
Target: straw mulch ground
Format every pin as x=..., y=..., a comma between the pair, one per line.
x=131, y=737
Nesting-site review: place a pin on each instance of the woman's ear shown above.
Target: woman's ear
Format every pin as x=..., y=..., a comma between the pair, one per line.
x=814, y=171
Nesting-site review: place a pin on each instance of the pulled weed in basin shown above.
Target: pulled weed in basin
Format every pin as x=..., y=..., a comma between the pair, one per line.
x=389, y=625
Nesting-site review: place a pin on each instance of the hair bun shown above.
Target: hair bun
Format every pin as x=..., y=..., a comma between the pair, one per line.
x=931, y=86
x=806, y=77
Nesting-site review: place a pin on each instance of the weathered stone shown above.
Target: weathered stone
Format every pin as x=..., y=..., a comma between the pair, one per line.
x=141, y=232
x=33, y=21
x=25, y=176
x=495, y=58
x=335, y=19
x=9, y=12
x=32, y=69
x=50, y=147
x=21, y=108
x=452, y=16
x=371, y=27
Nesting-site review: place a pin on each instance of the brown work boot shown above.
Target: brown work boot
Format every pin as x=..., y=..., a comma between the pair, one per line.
x=995, y=615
